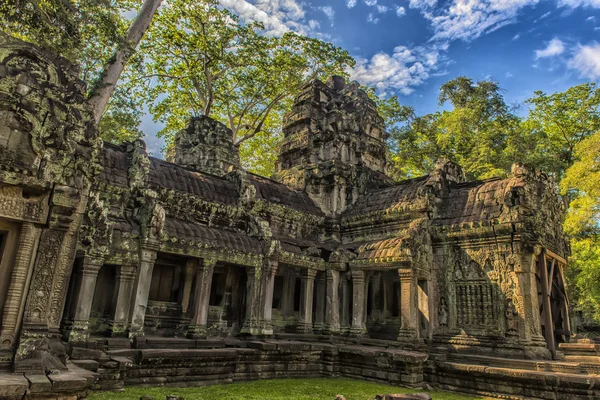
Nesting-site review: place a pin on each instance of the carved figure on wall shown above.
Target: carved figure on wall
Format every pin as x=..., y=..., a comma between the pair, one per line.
x=512, y=322
x=443, y=313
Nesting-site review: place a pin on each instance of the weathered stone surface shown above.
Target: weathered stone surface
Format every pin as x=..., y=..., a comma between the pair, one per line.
x=460, y=284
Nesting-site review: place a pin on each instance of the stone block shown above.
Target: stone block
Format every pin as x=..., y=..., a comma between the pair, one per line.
x=90, y=365
x=68, y=382
x=38, y=383
x=13, y=386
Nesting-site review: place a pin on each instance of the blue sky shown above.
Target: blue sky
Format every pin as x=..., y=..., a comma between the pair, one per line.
x=411, y=47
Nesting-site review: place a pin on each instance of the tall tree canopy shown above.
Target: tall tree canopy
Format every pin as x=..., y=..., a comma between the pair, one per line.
x=201, y=60
x=557, y=123
x=475, y=132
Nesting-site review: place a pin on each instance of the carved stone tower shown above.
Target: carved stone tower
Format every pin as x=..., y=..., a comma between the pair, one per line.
x=206, y=145
x=334, y=144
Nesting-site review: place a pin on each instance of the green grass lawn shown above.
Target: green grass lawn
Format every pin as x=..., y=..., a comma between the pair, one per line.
x=275, y=389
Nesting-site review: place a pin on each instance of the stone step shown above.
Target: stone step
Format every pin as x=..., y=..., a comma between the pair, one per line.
x=90, y=365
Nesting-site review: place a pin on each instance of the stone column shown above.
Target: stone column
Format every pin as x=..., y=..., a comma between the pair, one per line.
x=332, y=301
x=306, y=301
x=204, y=274
x=189, y=273
x=147, y=257
x=358, y=303
x=346, y=302
x=15, y=299
x=87, y=287
x=271, y=270
x=251, y=323
x=408, y=305
x=321, y=288
x=125, y=279
x=287, y=294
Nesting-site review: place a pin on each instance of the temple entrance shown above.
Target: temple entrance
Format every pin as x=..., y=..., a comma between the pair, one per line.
x=104, y=303
x=227, y=304
x=553, y=299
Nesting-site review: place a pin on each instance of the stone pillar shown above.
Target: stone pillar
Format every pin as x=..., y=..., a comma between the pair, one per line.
x=189, y=274
x=15, y=299
x=87, y=287
x=204, y=274
x=287, y=296
x=321, y=289
x=271, y=270
x=125, y=279
x=408, y=305
x=358, y=303
x=147, y=257
x=346, y=295
x=306, y=301
x=332, y=302
x=251, y=323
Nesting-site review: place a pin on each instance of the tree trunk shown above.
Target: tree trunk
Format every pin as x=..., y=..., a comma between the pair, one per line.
x=102, y=92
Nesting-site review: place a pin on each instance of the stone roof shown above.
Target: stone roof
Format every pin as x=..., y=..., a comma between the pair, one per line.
x=278, y=193
x=214, y=238
x=392, y=198
x=167, y=175
x=476, y=201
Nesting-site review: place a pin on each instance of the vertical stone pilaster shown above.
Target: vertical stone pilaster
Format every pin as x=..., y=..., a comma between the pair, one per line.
x=251, y=321
x=15, y=299
x=306, y=301
x=287, y=298
x=358, y=303
x=321, y=291
x=147, y=257
x=346, y=299
x=81, y=321
x=408, y=305
x=271, y=270
x=125, y=279
x=332, y=301
x=189, y=274
x=204, y=274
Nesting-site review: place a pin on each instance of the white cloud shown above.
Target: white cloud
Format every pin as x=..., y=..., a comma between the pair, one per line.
x=545, y=15
x=314, y=24
x=555, y=47
x=422, y=3
x=592, y=18
x=587, y=61
x=351, y=3
x=382, y=9
x=371, y=18
x=278, y=16
x=579, y=3
x=400, y=11
x=401, y=71
x=469, y=19
x=508, y=75
x=516, y=37
x=328, y=11
x=370, y=3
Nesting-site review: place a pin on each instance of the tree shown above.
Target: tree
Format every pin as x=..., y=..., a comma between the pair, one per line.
x=475, y=133
x=95, y=35
x=582, y=183
x=201, y=60
x=556, y=123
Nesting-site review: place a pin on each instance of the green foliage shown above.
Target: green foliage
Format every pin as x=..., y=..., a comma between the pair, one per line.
x=277, y=389
x=582, y=182
x=201, y=60
x=86, y=32
x=475, y=133
x=557, y=123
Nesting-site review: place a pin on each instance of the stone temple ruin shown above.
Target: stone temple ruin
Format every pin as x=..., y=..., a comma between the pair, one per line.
x=117, y=268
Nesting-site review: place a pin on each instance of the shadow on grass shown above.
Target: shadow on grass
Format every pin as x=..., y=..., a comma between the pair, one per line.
x=275, y=389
